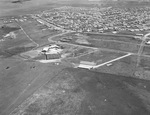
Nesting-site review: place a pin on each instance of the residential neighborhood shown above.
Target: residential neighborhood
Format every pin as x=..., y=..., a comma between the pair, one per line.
x=99, y=19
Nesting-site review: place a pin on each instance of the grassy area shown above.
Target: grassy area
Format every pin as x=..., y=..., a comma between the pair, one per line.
x=114, y=37
x=146, y=50
x=20, y=40
x=102, y=42
x=15, y=81
x=6, y=29
x=128, y=67
x=114, y=45
x=125, y=67
x=82, y=92
x=14, y=51
x=38, y=32
x=14, y=46
x=101, y=56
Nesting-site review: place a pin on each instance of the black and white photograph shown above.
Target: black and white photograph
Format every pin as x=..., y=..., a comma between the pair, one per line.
x=74, y=57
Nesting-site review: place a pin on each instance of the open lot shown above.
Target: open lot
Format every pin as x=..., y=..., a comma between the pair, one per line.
x=37, y=31
x=100, y=56
x=20, y=44
x=14, y=46
x=15, y=51
x=115, y=45
x=146, y=50
x=19, y=79
x=109, y=50
x=114, y=37
x=104, y=42
x=128, y=67
x=101, y=43
x=5, y=29
x=82, y=92
x=125, y=67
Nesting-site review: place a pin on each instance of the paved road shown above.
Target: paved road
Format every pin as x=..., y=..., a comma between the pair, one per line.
x=95, y=48
x=102, y=64
x=113, y=60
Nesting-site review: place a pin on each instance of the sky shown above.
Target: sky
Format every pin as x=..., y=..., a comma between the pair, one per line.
x=6, y=6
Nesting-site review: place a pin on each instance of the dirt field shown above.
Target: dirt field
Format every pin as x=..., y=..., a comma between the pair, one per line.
x=104, y=43
x=20, y=44
x=5, y=29
x=81, y=92
x=128, y=67
x=101, y=56
x=125, y=67
x=146, y=50
x=15, y=79
x=38, y=32
x=118, y=38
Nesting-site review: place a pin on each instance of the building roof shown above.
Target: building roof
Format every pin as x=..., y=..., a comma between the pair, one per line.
x=85, y=66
